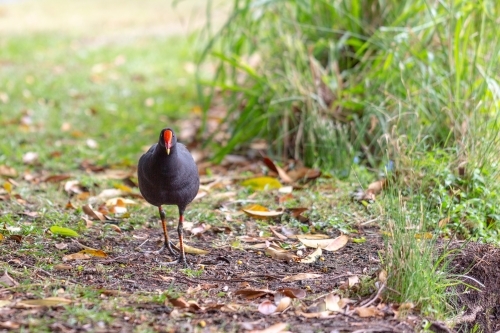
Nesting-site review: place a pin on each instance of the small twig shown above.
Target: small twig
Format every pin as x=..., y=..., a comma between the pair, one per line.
x=370, y=221
x=377, y=295
x=82, y=246
x=147, y=239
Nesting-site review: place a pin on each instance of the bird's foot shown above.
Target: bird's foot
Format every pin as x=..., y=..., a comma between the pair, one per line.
x=181, y=260
x=166, y=246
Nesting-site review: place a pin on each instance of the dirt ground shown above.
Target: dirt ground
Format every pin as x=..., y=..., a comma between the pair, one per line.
x=215, y=305
x=481, y=300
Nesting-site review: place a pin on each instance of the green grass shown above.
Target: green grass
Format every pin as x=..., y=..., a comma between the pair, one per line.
x=339, y=84
x=104, y=93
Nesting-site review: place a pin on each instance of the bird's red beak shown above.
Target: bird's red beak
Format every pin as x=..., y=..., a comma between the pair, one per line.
x=167, y=136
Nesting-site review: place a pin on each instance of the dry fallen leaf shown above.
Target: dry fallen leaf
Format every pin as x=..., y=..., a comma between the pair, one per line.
x=301, y=276
x=9, y=325
x=312, y=257
x=262, y=214
x=94, y=253
x=62, y=267
x=192, y=250
x=7, y=171
x=262, y=183
x=267, y=307
x=325, y=244
x=277, y=234
x=353, y=280
x=76, y=256
x=293, y=292
x=49, y=301
x=283, y=304
x=323, y=314
x=277, y=169
x=281, y=254
x=332, y=302
x=87, y=209
x=368, y=312
x=73, y=187
x=120, y=202
x=382, y=276
x=253, y=293
x=56, y=178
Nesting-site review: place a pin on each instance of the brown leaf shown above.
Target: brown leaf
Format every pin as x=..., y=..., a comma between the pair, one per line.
x=301, y=276
x=368, y=312
x=374, y=189
x=61, y=246
x=281, y=255
x=262, y=214
x=16, y=238
x=296, y=211
x=382, y=276
x=312, y=257
x=179, y=302
x=76, y=256
x=325, y=244
x=73, y=187
x=322, y=314
x=192, y=250
x=56, y=178
x=293, y=292
x=49, y=301
x=62, y=267
x=277, y=234
x=253, y=293
x=7, y=171
x=115, y=228
x=304, y=173
x=276, y=168
x=94, y=253
x=69, y=205
x=9, y=325
x=87, y=209
x=283, y=304
x=332, y=302
x=267, y=307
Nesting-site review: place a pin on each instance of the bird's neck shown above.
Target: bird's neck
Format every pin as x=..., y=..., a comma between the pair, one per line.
x=161, y=157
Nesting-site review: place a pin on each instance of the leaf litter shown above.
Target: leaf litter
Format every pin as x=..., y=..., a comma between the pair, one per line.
x=282, y=286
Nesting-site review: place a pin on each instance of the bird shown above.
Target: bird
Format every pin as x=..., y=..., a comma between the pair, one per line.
x=168, y=175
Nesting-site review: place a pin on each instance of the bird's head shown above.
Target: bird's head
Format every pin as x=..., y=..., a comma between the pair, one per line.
x=167, y=139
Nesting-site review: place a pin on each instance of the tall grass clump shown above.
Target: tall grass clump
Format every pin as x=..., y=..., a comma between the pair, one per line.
x=417, y=272
x=325, y=81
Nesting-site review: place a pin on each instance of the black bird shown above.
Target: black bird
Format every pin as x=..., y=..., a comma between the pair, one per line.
x=168, y=176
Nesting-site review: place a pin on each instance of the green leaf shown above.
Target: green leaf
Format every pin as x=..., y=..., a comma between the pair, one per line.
x=63, y=231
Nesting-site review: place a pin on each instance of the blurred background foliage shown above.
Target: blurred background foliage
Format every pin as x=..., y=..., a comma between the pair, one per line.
x=335, y=82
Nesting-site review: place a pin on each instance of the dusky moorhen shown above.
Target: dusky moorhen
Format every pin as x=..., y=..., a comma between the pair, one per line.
x=168, y=176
